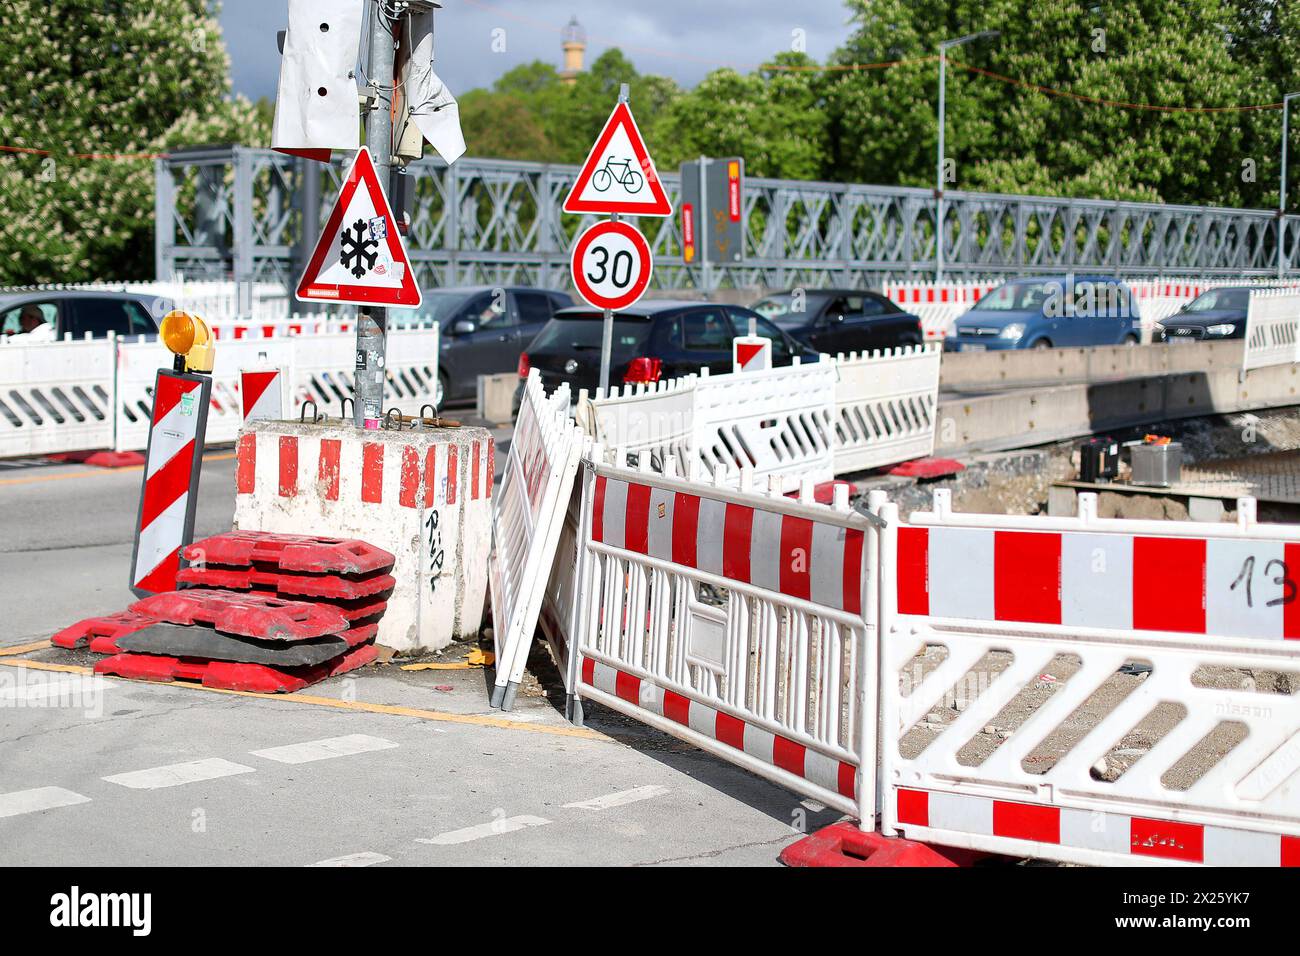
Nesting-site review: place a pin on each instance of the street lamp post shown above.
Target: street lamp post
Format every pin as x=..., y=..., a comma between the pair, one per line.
x=944, y=47
x=1281, y=192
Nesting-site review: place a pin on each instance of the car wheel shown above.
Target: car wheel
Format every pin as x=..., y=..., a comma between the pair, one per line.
x=1041, y=344
x=444, y=389
x=1130, y=340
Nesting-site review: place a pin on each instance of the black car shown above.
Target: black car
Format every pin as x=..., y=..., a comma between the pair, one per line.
x=78, y=313
x=841, y=320
x=1215, y=314
x=653, y=340
x=483, y=329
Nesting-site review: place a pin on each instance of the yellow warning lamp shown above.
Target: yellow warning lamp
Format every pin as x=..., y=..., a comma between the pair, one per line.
x=189, y=339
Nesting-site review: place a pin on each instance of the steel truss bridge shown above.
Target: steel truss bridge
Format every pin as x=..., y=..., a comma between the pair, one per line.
x=238, y=212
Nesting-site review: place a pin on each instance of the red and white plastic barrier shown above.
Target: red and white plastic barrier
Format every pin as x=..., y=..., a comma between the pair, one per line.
x=732, y=620
x=1206, y=608
x=527, y=517
x=168, y=497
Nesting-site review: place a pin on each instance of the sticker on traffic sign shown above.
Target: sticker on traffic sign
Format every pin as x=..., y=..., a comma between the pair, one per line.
x=611, y=265
x=360, y=256
x=619, y=175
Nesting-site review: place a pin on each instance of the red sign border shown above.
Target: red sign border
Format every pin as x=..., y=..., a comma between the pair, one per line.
x=408, y=295
x=590, y=235
x=622, y=116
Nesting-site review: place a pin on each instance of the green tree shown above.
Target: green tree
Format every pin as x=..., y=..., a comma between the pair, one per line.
x=127, y=77
x=774, y=118
x=1010, y=138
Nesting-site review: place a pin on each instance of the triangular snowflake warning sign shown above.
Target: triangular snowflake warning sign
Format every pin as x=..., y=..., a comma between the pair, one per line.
x=360, y=256
x=619, y=175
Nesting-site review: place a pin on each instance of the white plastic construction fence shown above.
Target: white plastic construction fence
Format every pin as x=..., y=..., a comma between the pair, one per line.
x=733, y=620
x=1076, y=689
x=97, y=393
x=1091, y=690
x=812, y=420
x=527, y=516
x=1272, y=328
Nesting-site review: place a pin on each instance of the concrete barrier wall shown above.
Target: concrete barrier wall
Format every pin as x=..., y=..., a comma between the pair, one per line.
x=1023, y=368
x=1036, y=416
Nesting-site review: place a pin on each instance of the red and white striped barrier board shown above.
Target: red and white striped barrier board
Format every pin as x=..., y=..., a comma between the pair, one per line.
x=807, y=764
x=174, y=457
x=1220, y=586
x=425, y=496
x=1090, y=690
x=262, y=393
x=735, y=621
x=813, y=560
x=947, y=816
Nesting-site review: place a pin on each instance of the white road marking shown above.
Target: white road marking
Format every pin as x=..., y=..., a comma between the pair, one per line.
x=33, y=801
x=354, y=859
x=176, y=774
x=324, y=749
x=620, y=798
x=494, y=828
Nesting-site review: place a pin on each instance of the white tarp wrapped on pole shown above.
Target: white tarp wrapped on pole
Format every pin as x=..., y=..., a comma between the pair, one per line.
x=316, y=104
x=433, y=109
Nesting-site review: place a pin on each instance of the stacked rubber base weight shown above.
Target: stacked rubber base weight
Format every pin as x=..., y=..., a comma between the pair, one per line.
x=260, y=612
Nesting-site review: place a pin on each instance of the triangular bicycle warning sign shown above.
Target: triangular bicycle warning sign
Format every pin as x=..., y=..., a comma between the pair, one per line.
x=360, y=256
x=619, y=175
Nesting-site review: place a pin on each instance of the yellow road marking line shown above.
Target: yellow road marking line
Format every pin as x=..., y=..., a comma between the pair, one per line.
x=23, y=648
x=95, y=472
x=393, y=710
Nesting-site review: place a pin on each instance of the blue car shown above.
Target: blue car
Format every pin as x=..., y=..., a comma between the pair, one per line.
x=1049, y=312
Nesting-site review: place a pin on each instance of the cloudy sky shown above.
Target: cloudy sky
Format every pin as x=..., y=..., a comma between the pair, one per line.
x=683, y=39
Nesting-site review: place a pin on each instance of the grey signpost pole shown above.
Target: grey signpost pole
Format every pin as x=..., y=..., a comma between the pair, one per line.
x=373, y=320
x=607, y=331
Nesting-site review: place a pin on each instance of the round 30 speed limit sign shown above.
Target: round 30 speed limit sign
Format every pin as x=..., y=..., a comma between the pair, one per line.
x=611, y=265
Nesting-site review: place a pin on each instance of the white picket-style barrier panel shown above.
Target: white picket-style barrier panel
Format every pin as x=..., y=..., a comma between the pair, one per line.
x=98, y=393
x=885, y=406
x=655, y=419
x=56, y=397
x=774, y=422
x=527, y=516
x=814, y=420
x=739, y=622
x=1211, y=610
x=1272, y=328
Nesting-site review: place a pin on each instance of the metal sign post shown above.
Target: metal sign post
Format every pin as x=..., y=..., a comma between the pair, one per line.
x=372, y=321
x=607, y=331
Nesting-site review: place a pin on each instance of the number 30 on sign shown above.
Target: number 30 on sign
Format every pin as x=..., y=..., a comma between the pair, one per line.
x=611, y=265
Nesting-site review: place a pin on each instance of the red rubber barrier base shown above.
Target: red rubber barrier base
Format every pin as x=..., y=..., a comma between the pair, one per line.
x=250, y=614
x=102, y=632
x=101, y=459
x=843, y=844
x=927, y=468
x=222, y=675
x=298, y=585
x=289, y=552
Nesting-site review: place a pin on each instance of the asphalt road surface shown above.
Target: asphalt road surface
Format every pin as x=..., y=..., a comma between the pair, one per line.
x=383, y=766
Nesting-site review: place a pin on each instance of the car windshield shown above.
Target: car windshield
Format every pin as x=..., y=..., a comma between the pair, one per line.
x=1016, y=296
x=438, y=306
x=582, y=332
x=787, y=309
x=1220, y=299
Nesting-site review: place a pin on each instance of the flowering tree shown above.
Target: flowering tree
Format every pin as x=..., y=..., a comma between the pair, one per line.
x=91, y=93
